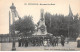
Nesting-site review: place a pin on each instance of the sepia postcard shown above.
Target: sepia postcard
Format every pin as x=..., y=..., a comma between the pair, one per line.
x=39, y=25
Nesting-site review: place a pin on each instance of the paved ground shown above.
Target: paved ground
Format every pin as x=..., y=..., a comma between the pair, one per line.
x=0, y=46
x=71, y=46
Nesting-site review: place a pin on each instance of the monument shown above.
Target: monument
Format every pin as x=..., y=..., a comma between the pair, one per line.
x=41, y=28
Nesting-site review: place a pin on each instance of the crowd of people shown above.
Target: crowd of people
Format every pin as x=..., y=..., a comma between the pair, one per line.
x=41, y=41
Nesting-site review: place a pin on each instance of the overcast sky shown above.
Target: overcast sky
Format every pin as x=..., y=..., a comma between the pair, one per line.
x=60, y=7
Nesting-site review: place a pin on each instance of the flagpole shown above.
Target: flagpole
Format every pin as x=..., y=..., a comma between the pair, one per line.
x=50, y=21
x=9, y=26
x=9, y=23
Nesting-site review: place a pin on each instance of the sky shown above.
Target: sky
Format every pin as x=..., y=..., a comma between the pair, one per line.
x=60, y=7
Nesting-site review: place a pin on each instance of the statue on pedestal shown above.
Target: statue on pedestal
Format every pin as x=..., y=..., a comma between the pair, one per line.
x=41, y=29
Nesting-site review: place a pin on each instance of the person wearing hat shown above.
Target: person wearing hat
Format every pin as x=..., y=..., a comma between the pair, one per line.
x=26, y=42
x=62, y=40
x=53, y=41
x=56, y=41
x=19, y=42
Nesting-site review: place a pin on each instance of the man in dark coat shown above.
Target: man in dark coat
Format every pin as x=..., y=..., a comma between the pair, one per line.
x=56, y=41
x=19, y=42
x=62, y=40
x=53, y=41
x=23, y=41
x=26, y=42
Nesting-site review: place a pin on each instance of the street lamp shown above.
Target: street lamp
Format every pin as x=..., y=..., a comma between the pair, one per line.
x=13, y=9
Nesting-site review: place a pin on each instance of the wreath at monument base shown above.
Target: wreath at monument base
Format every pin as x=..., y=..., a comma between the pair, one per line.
x=42, y=28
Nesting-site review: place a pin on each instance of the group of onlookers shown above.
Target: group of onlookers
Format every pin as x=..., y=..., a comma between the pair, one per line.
x=41, y=41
